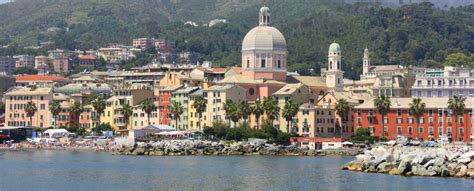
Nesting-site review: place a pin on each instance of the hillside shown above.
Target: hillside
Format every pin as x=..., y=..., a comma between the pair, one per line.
x=416, y=34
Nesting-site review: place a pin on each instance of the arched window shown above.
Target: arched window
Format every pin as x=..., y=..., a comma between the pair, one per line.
x=248, y=63
x=338, y=65
x=330, y=65
x=279, y=64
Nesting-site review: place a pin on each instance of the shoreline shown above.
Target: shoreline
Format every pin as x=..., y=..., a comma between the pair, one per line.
x=450, y=161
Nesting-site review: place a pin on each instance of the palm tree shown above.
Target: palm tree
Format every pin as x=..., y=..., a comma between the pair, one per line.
x=228, y=106
x=127, y=112
x=235, y=113
x=30, y=110
x=200, y=105
x=176, y=110
x=55, y=108
x=148, y=105
x=258, y=110
x=457, y=105
x=271, y=108
x=417, y=109
x=382, y=104
x=289, y=111
x=245, y=110
x=77, y=109
x=342, y=109
x=99, y=105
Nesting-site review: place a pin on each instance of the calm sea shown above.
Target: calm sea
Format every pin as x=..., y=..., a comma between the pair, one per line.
x=64, y=170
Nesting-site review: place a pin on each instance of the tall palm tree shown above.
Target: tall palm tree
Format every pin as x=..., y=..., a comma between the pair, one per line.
x=30, y=110
x=77, y=109
x=148, y=105
x=271, y=108
x=55, y=108
x=382, y=104
x=342, y=109
x=417, y=109
x=258, y=110
x=176, y=110
x=127, y=112
x=200, y=105
x=228, y=106
x=235, y=113
x=245, y=110
x=457, y=105
x=99, y=105
x=289, y=111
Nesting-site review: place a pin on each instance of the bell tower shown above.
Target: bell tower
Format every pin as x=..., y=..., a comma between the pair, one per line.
x=334, y=73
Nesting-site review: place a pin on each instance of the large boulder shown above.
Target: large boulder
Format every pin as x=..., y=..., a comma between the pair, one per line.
x=404, y=167
x=386, y=167
x=355, y=165
x=420, y=170
x=461, y=170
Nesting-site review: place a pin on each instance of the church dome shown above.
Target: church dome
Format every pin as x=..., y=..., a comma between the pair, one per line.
x=264, y=38
x=334, y=47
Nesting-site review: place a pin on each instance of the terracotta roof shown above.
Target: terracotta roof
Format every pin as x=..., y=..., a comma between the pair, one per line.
x=219, y=70
x=87, y=57
x=38, y=78
x=239, y=69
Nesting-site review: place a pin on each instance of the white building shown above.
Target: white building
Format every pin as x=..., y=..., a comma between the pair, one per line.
x=446, y=82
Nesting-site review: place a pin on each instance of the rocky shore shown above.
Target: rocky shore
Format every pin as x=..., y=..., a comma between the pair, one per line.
x=194, y=147
x=416, y=161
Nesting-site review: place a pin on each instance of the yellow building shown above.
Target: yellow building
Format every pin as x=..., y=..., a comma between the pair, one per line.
x=182, y=96
x=193, y=120
x=216, y=97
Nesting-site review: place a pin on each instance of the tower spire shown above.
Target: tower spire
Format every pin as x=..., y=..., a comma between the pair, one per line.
x=264, y=18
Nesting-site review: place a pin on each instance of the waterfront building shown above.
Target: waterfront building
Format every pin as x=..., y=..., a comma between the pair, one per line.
x=7, y=65
x=436, y=122
x=182, y=96
x=216, y=96
x=321, y=119
x=16, y=100
x=446, y=82
x=193, y=120
x=299, y=94
x=165, y=102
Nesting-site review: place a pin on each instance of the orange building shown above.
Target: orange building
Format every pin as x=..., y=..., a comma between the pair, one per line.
x=437, y=121
x=16, y=100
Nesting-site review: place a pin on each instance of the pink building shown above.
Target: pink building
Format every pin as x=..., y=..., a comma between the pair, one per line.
x=264, y=51
x=16, y=101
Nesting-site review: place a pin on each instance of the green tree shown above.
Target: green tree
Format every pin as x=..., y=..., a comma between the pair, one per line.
x=30, y=110
x=229, y=105
x=271, y=108
x=235, y=113
x=417, y=109
x=289, y=112
x=127, y=112
x=458, y=59
x=25, y=70
x=258, y=110
x=77, y=109
x=99, y=105
x=245, y=110
x=148, y=105
x=200, y=105
x=176, y=110
x=55, y=108
x=457, y=106
x=382, y=104
x=342, y=109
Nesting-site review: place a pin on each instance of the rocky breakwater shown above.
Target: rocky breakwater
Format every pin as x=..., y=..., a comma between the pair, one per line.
x=195, y=147
x=415, y=161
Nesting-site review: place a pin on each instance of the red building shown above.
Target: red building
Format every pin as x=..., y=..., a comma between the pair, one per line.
x=164, y=106
x=437, y=121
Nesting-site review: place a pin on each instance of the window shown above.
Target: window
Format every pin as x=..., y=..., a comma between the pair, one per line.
x=358, y=112
x=410, y=130
x=248, y=63
x=399, y=112
x=263, y=64
x=279, y=64
x=421, y=130
x=399, y=130
x=399, y=120
x=251, y=91
x=385, y=120
x=410, y=120
x=440, y=131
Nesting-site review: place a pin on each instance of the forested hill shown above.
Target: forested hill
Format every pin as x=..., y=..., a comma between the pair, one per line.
x=415, y=34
